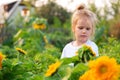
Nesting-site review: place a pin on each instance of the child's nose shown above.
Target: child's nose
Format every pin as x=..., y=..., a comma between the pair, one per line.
x=84, y=31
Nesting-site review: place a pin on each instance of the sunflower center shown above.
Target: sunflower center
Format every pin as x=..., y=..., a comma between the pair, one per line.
x=103, y=69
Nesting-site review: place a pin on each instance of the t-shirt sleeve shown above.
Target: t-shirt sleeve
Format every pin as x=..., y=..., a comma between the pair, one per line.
x=95, y=48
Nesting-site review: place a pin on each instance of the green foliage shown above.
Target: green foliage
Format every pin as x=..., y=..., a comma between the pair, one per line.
x=85, y=53
x=41, y=54
x=78, y=71
x=69, y=60
x=59, y=39
x=57, y=22
x=26, y=67
x=52, y=50
x=59, y=34
x=7, y=51
x=62, y=73
x=51, y=10
x=30, y=38
x=65, y=71
x=111, y=48
x=100, y=35
x=40, y=21
x=116, y=7
x=37, y=77
x=13, y=68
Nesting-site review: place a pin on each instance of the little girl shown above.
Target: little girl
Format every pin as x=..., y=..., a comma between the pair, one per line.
x=83, y=28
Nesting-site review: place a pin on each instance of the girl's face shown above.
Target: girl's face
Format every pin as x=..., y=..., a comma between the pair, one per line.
x=83, y=30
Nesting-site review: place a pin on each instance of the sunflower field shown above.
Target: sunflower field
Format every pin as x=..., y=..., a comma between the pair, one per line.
x=31, y=46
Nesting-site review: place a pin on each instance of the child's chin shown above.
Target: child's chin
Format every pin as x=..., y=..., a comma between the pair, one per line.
x=84, y=40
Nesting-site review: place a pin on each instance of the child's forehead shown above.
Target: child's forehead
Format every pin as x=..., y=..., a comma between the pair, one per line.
x=83, y=18
x=84, y=21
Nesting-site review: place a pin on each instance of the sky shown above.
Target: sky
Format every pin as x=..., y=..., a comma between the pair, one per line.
x=67, y=3
x=100, y=4
x=71, y=6
x=3, y=2
x=75, y=3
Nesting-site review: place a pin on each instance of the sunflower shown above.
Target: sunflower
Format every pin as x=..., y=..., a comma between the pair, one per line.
x=104, y=68
x=76, y=53
x=52, y=68
x=39, y=26
x=92, y=52
x=42, y=26
x=85, y=53
x=88, y=48
x=21, y=51
x=35, y=26
x=87, y=76
x=1, y=58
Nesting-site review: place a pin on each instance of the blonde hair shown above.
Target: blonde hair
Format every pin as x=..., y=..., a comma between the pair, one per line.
x=83, y=11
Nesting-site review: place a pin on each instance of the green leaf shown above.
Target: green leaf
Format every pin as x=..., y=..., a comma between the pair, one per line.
x=69, y=60
x=37, y=77
x=78, y=71
x=64, y=71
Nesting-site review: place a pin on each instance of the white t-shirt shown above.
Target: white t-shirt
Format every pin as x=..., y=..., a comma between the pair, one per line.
x=69, y=50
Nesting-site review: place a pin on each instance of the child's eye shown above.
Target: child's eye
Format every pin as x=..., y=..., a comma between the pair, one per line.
x=87, y=28
x=80, y=27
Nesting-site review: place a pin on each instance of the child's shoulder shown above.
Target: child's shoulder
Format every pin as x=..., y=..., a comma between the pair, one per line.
x=69, y=45
x=91, y=43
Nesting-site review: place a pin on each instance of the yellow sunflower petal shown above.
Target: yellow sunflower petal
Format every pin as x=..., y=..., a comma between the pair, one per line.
x=21, y=51
x=2, y=57
x=104, y=68
x=52, y=68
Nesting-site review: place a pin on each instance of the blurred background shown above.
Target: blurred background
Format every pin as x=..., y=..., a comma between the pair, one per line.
x=18, y=14
x=44, y=27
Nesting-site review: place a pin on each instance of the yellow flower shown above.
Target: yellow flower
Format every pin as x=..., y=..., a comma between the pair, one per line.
x=104, y=68
x=90, y=49
x=42, y=26
x=52, y=68
x=35, y=26
x=93, y=53
x=21, y=51
x=87, y=76
x=1, y=58
x=39, y=26
x=76, y=53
